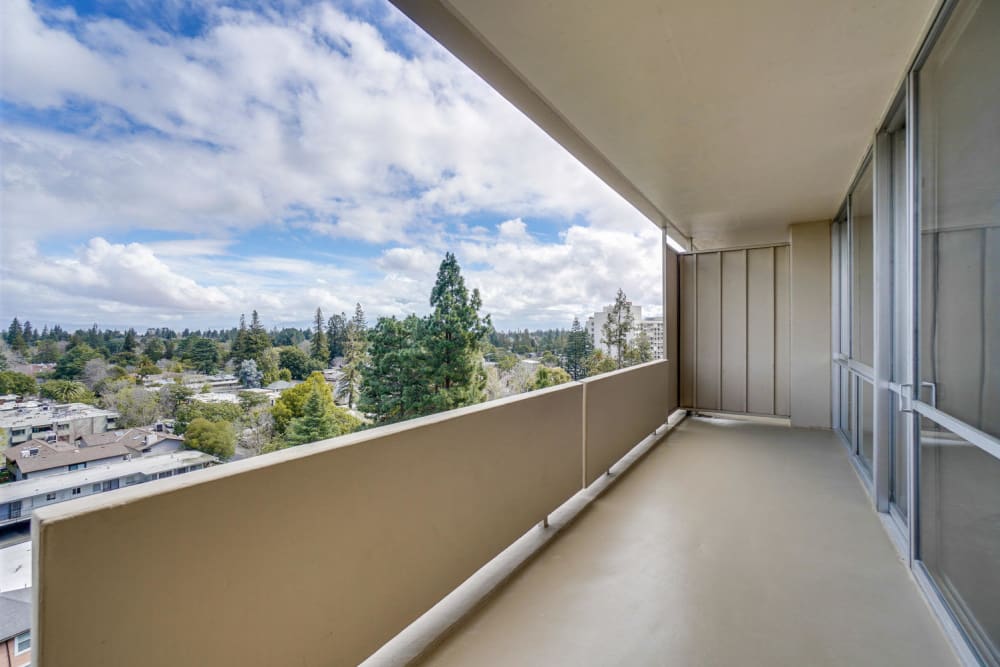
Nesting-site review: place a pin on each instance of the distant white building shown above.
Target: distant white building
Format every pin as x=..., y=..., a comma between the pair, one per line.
x=653, y=326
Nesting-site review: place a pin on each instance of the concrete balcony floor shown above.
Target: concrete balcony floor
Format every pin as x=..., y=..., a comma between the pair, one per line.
x=730, y=543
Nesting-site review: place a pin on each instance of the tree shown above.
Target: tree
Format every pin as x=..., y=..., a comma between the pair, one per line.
x=578, y=346
x=190, y=410
x=617, y=328
x=319, y=348
x=15, y=337
x=66, y=391
x=640, y=351
x=70, y=366
x=172, y=397
x=597, y=362
x=212, y=437
x=550, y=377
x=356, y=356
x=12, y=382
x=452, y=338
x=257, y=340
x=248, y=374
x=299, y=364
x=316, y=422
x=204, y=355
x=47, y=352
x=135, y=405
x=95, y=371
x=155, y=349
x=257, y=422
x=290, y=405
x=238, y=349
x=392, y=385
x=146, y=368
x=336, y=335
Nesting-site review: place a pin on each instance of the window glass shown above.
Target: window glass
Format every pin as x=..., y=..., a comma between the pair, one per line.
x=959, y=153
x=862, y=270
x=960, y=543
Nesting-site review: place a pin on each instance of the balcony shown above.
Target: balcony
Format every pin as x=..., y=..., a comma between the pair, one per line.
x=728, y=543
x=728, y=539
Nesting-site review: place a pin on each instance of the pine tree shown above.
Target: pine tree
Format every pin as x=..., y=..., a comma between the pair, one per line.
x=578, y=346
x=28, y=333
x=336, y=335
x=617, y=328
x=355, y=357
x=258, y=341
x=319, y=348
x=15, y=337
x=238, y=350
x=452, y=340
x=131, y=343
x=393, y=387
x=316, y=422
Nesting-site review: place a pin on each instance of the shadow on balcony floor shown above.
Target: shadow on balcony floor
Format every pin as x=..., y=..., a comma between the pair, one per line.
x=729, y=544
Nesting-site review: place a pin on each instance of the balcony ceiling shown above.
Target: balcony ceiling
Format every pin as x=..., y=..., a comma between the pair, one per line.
x=728, y=120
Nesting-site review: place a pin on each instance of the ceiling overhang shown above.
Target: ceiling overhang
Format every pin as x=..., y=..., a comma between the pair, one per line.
x=719, y=121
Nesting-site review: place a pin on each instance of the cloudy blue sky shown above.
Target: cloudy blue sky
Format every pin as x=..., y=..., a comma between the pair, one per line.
x=176, y=163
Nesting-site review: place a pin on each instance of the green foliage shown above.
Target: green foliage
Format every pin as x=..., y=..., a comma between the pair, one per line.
x=146, y=368
x=507, y=362
x=15, y=337
x=319, y=348
x=336, y=335
x=203, y=354
x=597, y=362
x=190, y=410
x=47, y=352
x=297, y=362
x=155, y=349
x=135, y=405
x=217, y=438
x=356, y=356
x=550, y=377
x=173, y=397
x=291, y=405
x=393, y=387
x=617, y=327
x=452, y=339
x=12, y=382
x=70, y=366
x=66, y=391
x=316, y=422
x=578, y=346
x=640, y=351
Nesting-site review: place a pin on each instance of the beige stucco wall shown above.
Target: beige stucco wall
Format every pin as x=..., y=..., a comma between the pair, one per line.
x=810, y=322
x=622, y=408
x=321, y=552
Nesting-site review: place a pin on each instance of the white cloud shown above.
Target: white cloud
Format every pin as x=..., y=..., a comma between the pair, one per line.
x=307, y=122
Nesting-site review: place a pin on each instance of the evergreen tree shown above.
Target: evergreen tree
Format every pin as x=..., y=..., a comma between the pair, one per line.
x=203, y=355
x=393, y=387
x=238, y=350
x=131, y=343
x=319, y=348
x=355, y=357
x=258, y=340
x=578, y=346
x=452, y=339
x=15, y=337
x=212, y=437
x=316, y=422
x=28, y=333
x=70, y=366
x=336, y=335
x=616, y=330
x=641, y=350
x=248, y=374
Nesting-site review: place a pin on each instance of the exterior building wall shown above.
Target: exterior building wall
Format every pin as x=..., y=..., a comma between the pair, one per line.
x=11, y=660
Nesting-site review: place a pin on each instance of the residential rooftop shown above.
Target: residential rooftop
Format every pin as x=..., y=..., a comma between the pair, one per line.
x=152, y=465
x=36, y=413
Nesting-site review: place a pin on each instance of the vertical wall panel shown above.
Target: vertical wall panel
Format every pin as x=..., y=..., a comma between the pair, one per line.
x=734, y=330
x=688, y=329
x=782, y=331
x=760, y=330
x=670, y=330
x=708, y=357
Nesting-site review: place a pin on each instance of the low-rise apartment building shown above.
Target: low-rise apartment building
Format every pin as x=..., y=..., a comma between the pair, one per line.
x=27, y=420
x=15, y=628
x=17, y=499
